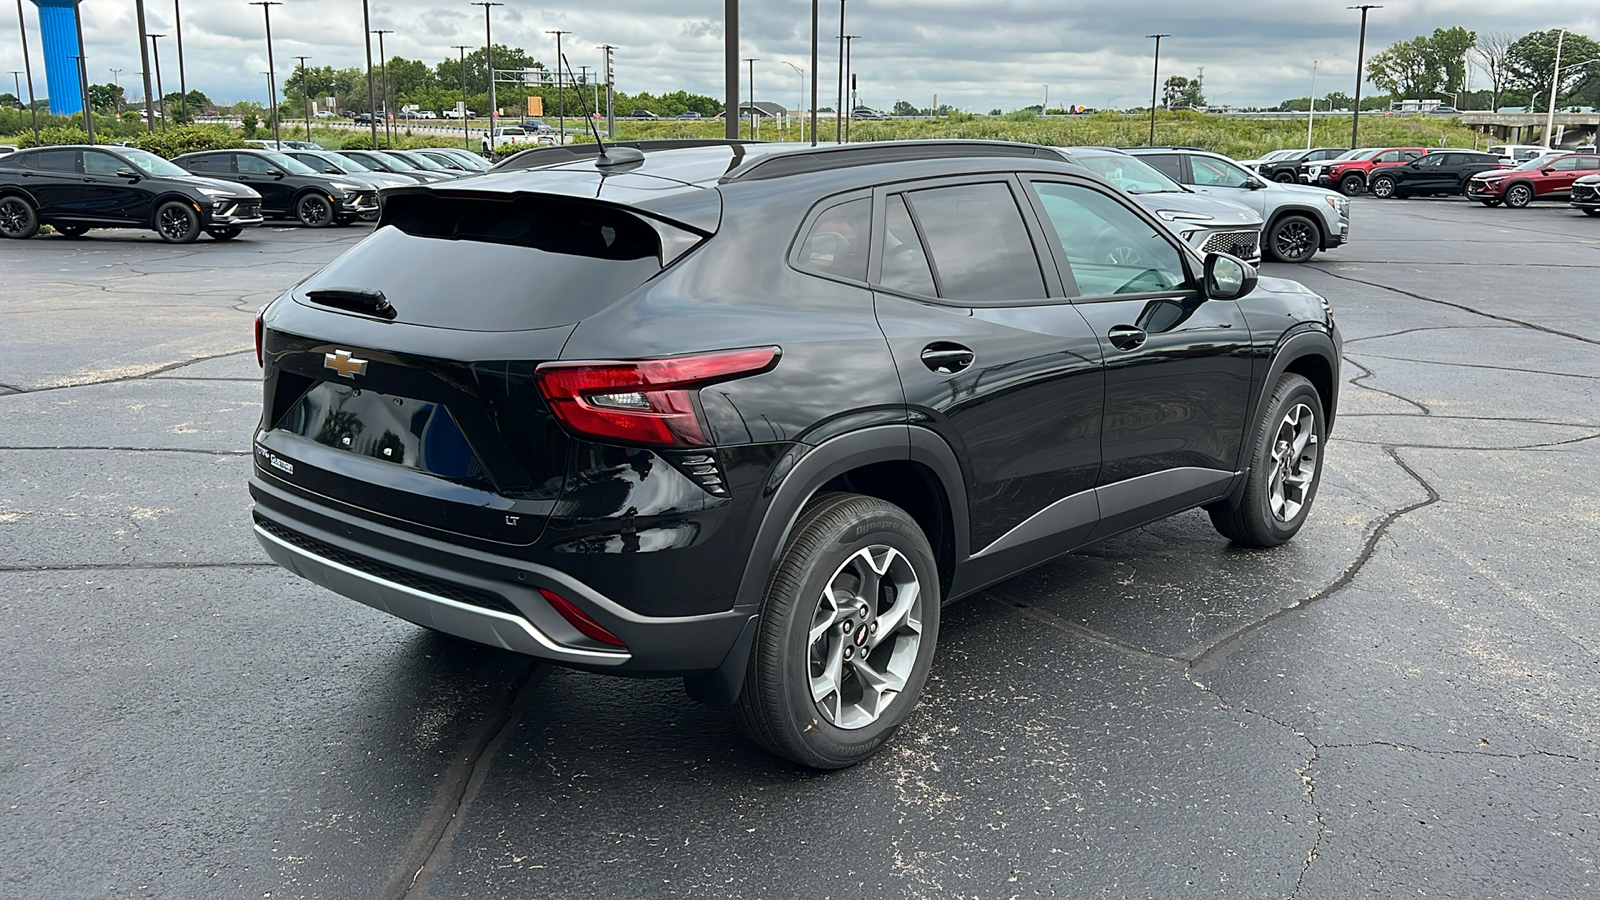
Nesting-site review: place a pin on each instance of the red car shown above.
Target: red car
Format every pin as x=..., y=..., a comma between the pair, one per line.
x=1349, y=176
x=1540, y=178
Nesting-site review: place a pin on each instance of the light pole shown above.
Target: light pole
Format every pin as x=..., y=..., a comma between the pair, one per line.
x=383, y=69
x=850, y=86
x=272, y=69
x=1155, y=76
x=488, y=57
x=183, y=83
x=305, y=93
x=751, y=62
x=144, y=63
x=155, y=48
x=611, y=94
x=838, y=120
x=814, y=12
x=466, y=136
x=1310, y=113
x=730, y=70
x=561, y=95
x=802, y=73
x=116, y=81
x=27, y=66
x=1361, y=59
x=1555, y=79
x=372, y=100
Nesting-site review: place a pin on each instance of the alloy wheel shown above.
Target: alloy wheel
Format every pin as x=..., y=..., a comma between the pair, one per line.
x=1383, y=188
x=175, y=222
x=865, y=634
x=1295, y=456
x=314, y=211
x=1294, y=240
x=14, y=216
x=1518, y=196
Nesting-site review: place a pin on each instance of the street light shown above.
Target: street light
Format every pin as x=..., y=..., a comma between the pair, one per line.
x=1555, y=82
x=372, y=100
x=850, y=86
x=838, y=116
x=305, y=93
x=802, y=73
x=561, y=95
x=611, y=94
x=116, y=81
x=155, y=46
x=751, y=61
x=83, y=71
x=814, y=5
x=1361, y=59
x=383, y=67
x=183, y=83
x=488, y=57
x=27, y=69
x=466, y=136
x=272, y=70
x=1311, y=113
x=1155, y=76
x=144, y=62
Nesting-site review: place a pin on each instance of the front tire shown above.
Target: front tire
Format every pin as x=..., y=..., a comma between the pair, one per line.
x=1285, y=469
x=1284, y=178
x=1518, y=196
x=1352, y=185
x=1293, y=239
x=18, y=218
x=314, y=211
x=1383, y=187
x=177, y=222
x=846, y=635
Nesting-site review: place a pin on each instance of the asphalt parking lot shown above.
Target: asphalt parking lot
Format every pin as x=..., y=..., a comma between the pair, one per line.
x=1400, y=702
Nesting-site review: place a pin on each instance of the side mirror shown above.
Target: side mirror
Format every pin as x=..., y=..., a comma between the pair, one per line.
x=1228, y=277
x=1546, y=170
x=331, y=170
x=276, y=173
x=127, y=173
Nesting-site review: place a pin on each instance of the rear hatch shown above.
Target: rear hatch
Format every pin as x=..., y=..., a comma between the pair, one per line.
x=400, y=379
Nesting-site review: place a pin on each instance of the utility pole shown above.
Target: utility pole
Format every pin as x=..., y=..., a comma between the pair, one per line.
x=1311, y=113
x=27, y=67
x=272, y=69
x=838, y=120
x=1555, y=80
x=730, y=70
x=144, y=63
x=372, y=101
x=488, y=57
x=751, y=60
x=802, y=73
x=155, y=47
x=814, y=12
x=83, y=72
x=1361, y=58
x=183, y=83
x=466, y=136
x=1155, y=80
x=611, y=94
x=383, y=67
x=849, y=107
x=561, y=95
x=116, y=81
x=305, y=92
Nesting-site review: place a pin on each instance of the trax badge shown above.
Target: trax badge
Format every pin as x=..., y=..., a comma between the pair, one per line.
x=345, y=364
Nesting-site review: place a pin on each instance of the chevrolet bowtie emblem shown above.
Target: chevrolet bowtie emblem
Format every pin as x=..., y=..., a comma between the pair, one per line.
x=345, y=364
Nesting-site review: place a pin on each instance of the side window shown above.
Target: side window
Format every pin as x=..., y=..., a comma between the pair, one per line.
x=979, y=244
x=1436, y=160
x=97, y=163
x=905, y=263
x=1387, y=156
x=54, y=161
x=1588, y=163
x=1169, y=164
x=216, y=162
x=1111, y=250
x=837, y=242
x=252, y=165
x=1565, y=164
x=1212, y=173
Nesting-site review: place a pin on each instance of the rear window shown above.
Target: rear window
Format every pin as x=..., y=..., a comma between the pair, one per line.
x=498, y=265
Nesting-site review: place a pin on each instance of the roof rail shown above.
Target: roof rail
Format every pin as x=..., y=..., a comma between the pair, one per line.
x=781, y=165
x=538, y=157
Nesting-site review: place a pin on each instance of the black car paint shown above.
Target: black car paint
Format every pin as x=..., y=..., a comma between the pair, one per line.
x=1440, y=172
x=80, y=198
x=280, y=190
x=1002, y=463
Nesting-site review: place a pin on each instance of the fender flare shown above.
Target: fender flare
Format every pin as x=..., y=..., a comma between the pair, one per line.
x=17, y=190
x=1298, y=345
x=1306, y=211
x=796, y=477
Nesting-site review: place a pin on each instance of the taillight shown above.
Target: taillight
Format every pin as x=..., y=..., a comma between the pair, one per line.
x=579, y=619
x=646, y=402
x=259, y=329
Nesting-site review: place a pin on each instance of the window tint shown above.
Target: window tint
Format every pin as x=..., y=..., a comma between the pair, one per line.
x=1565, y=164
x=253, y=165
x=979, y=244
x=1216, y=173
x=905, y=264
x=1588, y=163
x=1435, y=160
x=97, y=163
x=54, y=160
x=1168, y=164
x=1110, y=249
x=1388, y=156
x=837, y=242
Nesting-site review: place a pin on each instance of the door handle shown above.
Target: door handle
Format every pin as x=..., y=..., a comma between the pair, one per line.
x=946, y=358
x=1126, y=337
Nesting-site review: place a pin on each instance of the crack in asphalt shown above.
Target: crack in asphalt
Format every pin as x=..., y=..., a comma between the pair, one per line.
x=1487, y=754
x=123, y=378
x=197, y=450
x=101, y=567
x=1459, y=306
x=1461, y=365
x=1390, y=334
x=1368, y=373
x=430, y=843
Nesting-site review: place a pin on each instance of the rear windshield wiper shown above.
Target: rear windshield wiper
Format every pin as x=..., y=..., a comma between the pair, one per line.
x=373, y=303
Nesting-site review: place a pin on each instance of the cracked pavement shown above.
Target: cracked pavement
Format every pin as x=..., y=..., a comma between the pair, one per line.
x=1398, y=702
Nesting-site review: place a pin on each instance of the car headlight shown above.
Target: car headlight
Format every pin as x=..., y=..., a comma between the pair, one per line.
x=1178, y=215
x=215, y=192
x=342, y=186
x=1337, y=204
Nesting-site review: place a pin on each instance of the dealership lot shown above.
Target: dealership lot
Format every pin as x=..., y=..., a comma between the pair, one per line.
x=1400, y=701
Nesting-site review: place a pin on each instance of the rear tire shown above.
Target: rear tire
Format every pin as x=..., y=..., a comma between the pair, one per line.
x=18, y=218
x=1284, y=178
x=1285, y=469
x=846, y=635
x=177, y=222
x=1383, y=187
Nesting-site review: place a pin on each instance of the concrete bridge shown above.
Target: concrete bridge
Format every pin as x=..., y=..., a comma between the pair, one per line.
x=1571, y=129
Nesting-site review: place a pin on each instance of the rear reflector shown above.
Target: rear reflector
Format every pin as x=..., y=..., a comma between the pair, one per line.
x=580, y=620
x=645, y=402
x=259, y=327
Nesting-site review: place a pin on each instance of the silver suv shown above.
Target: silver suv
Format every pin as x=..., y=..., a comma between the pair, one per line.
x=1300, y=219
x=1208, y=224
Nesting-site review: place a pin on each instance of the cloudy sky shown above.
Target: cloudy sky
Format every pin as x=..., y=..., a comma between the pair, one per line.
x=976, y=54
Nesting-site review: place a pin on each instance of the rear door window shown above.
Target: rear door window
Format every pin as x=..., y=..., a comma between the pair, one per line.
x=978, y=243
x=1169, y=164
x=54, y=161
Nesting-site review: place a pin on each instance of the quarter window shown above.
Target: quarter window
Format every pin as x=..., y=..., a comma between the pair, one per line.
x=978, y=242
x=1111, y=250
x=905, y=263
x=837, y=242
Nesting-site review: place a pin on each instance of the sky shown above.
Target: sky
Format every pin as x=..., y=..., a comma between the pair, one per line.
x=972, y=55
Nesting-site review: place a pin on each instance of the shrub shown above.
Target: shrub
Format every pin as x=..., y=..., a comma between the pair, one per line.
x=189, y=139
x=55, y=134
x=250, y=124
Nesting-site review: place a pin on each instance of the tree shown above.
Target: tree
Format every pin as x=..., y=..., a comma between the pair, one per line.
x=1181, y=91
x=1448, y=49
x=904, y=108
x=1531, y=62
x=1406, y=69
x=1491, y=49
x=105, y=98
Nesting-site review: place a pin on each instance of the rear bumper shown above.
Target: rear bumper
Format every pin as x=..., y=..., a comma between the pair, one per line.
x=480, y=597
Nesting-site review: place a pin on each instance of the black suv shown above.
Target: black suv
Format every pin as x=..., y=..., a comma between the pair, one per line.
x=74, y=189
x=289, y=188
x=1288, y=169
x=751, y=414
x=1441, y=172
